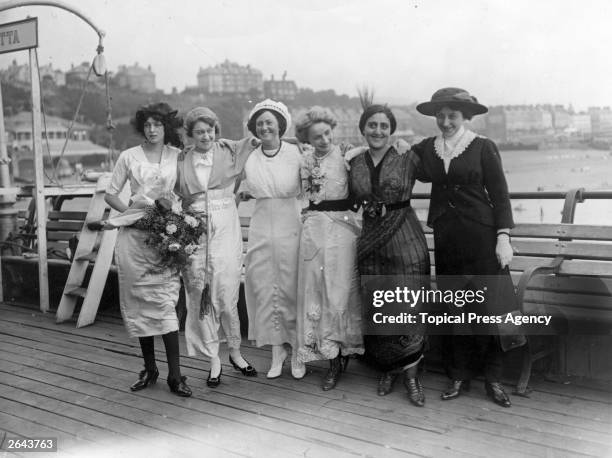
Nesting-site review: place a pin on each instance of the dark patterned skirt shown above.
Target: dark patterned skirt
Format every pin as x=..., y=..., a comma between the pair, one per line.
x=404, y=254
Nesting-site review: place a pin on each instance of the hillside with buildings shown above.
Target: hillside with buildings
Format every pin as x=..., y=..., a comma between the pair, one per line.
x=230, y=89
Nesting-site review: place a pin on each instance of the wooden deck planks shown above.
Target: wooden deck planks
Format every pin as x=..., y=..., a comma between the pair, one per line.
x=83, y=375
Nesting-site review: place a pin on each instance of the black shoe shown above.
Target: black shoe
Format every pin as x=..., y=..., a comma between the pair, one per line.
x=415, y=391
x=496, y=392
x=336, y=367
x=249, y=371
x=385, y=383
x=214, y=382
x=455, y=389
x=179, y=387
x=145, y=378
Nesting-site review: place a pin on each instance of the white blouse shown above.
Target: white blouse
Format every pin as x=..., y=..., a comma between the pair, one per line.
x=274, y=177
x=148, y=180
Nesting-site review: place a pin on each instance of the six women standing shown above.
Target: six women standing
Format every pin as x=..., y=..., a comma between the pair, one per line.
x=302, y=283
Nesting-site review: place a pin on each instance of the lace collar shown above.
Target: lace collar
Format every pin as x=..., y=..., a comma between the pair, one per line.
x=448, y=149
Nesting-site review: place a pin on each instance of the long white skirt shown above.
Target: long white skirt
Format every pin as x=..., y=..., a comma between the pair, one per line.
x=147, y=298
x=223, y=274
x=271, y=271
x=329, y=306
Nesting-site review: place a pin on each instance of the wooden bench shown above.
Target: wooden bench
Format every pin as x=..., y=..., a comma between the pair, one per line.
x=563, y=270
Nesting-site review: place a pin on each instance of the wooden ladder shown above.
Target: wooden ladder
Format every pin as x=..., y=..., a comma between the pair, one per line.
x=85, y=253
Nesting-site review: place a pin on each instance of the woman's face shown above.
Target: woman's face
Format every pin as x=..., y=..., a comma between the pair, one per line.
x=266, y=127
x=203, y=135
x=377, y=131
x=449, y=121
x=153, y=131
x=321, y=136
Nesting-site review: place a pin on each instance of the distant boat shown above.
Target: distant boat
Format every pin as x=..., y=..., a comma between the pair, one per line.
x=91, y=175
x=519, y=208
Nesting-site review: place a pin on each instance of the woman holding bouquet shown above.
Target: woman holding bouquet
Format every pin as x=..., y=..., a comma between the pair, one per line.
x=206, y=181
x=329, y=312
x=392, y=242
x=272, y=175
x=148, y=293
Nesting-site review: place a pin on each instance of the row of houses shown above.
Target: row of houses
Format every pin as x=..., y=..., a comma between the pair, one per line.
x=226, y=78
x=534, y=124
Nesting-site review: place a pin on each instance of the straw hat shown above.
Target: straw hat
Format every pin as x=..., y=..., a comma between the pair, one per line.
x=454, y=97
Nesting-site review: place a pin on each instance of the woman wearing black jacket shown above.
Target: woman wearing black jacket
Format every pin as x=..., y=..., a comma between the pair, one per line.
x=471, y=216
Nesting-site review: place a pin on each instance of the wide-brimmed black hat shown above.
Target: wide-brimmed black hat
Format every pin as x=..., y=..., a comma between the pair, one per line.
x=453, y=97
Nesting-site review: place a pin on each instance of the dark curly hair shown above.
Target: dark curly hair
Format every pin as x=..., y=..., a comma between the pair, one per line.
x=161, y=112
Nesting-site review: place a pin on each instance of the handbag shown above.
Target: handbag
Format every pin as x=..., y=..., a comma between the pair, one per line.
x=511, y=336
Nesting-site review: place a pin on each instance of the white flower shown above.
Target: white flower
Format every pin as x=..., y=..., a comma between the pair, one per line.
x=191, y=221
x=189, y=249
x=174, y=247
x=176, y=208
x=171, y=228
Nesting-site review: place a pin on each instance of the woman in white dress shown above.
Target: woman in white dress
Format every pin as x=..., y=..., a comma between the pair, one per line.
x=329, y=311
x=148, y=297
x=272, y=176
x=206, y=180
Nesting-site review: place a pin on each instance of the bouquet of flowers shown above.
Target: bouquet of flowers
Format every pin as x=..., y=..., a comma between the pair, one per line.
x=172, y=231
x=312, y=177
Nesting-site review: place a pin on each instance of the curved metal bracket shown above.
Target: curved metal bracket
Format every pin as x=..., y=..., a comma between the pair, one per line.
x=9, y=4
x=572, y=197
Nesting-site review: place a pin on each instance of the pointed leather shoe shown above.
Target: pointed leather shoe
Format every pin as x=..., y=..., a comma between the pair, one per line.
x=455, y=389
x=179, y=387
x=249, y=371
x=214, y=382
x=496, y=392
x=145, y=378
x=415, y=391
x=385, y=383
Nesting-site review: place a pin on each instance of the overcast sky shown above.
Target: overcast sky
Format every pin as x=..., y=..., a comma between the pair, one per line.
x=518, y=51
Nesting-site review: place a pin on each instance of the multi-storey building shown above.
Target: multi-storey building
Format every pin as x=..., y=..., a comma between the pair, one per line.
x=283, y=89
x=230, y=78
x=136, y=78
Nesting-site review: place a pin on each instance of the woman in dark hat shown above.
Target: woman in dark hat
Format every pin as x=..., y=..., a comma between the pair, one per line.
x=392, y=243
x=148, y=297
x=471, y=216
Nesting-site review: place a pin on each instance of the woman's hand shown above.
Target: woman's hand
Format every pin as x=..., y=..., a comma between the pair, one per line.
x=503, y=250
x=401, y=146
x=139, y=204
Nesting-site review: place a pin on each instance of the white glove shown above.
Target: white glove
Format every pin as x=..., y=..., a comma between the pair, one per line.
x=503, y=250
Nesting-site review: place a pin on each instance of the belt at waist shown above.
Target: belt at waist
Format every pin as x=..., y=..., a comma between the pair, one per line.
x=378, y=209
x=331, y=206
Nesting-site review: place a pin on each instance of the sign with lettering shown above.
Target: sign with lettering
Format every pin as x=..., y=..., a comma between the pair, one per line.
x=19, y=35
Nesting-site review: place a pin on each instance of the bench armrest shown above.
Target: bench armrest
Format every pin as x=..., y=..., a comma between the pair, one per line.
x=528, y=274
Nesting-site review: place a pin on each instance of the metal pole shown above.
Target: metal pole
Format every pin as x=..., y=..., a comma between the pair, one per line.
x=39, y=188
x=8, y=213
